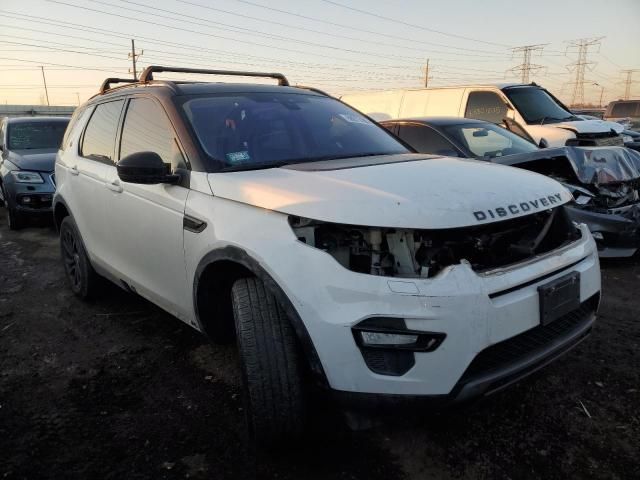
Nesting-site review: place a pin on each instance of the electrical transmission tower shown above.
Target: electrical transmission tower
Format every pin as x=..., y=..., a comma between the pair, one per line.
x=628, y=82
x=526, y=68
x=580, y=66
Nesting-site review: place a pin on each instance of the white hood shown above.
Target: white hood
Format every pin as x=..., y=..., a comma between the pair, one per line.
x=590, y=126
x=412, y=191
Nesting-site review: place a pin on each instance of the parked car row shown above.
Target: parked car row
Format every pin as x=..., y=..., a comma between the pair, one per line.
x=373, y=263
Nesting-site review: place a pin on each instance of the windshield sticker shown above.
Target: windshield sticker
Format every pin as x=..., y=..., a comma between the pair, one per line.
x=238, y=157
x=352, y=118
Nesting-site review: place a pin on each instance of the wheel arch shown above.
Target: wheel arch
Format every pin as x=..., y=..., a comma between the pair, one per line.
x=214, y=277
x=60, y=211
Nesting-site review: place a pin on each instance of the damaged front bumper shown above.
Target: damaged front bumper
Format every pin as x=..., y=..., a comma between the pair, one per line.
x=617, y=232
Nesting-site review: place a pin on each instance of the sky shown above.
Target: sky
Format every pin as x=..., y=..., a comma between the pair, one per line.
x=336, y=45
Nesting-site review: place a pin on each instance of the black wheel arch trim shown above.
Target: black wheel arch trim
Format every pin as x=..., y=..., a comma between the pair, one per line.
x=238, y=255
x=58, y=200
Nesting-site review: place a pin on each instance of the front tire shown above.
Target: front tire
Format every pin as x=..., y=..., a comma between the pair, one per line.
x=14, y=219
x=80, y=274
x=271, y=364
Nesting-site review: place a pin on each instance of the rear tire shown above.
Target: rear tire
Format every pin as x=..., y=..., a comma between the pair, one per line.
x=80, y=274
x=271, y=364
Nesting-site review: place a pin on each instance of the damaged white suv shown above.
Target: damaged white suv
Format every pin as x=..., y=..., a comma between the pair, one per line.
x=337, y=257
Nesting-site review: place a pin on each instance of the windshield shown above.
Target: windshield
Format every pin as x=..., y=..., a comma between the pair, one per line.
x=35, y=135
x=258, y=130
x=489, y=140
x=537, y=106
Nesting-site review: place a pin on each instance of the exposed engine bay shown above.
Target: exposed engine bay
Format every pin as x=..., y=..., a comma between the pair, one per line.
x=424, y=253
x=605, y=183
x=600, y=178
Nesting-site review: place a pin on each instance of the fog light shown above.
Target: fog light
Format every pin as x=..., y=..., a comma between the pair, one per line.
x=597, y=235
x=26, y=199
x=387, y=339
x=392, y=334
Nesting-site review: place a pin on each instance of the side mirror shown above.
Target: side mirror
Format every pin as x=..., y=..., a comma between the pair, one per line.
x=543, y=143
x=146, y=168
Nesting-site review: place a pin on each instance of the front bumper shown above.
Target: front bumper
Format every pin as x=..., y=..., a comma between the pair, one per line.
x=495, y=368
x=31, y=198
x=619, y=232
x=476, y=311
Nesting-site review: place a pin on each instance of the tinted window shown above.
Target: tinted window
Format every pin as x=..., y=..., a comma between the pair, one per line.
x=485, y=106
x=147, y=129
x=72, y=123
x=537, y=106
x=261, y=129
x=100, y=134
x=489, y=140
x=628, y=109
x=426, y=140
x=34, y=135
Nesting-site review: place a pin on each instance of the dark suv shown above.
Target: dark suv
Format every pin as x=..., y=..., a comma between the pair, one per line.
x=28, y=148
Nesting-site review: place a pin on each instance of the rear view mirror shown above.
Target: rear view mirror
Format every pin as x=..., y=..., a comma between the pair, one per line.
x=481, y=132
x=145, y=168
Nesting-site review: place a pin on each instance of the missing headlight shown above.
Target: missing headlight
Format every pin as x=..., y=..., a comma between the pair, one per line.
x=399, y=252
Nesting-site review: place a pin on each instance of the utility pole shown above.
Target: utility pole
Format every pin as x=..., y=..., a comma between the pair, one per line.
x=580, y=66
x=134, y=57
x=526, y=68
x=44, y=79
x=628, y=81
x=601, y=93
x=426, y=75
x=78, y=96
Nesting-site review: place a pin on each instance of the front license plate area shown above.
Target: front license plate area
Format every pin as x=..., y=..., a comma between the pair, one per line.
x=559, y=297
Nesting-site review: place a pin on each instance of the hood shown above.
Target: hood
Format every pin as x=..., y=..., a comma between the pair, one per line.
x=592, y=165
x=411, y=191
x=41, y=160
x=590, y=126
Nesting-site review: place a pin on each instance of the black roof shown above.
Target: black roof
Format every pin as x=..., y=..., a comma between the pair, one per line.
x=223, y=87
x=438, y=121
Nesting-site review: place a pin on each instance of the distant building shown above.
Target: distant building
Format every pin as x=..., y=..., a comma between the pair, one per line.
x=34, y=110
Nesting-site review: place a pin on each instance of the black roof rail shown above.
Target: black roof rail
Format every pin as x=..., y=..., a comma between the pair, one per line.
x=106, y=85
x=313, y=89
x=147, y=74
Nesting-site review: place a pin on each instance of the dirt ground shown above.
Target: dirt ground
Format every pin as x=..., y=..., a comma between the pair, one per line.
x=119, y=389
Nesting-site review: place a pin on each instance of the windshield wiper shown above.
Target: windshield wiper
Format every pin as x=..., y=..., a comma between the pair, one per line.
x=283, y=163
x=259, y=166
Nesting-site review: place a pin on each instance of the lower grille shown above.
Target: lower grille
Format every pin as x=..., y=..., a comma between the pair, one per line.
x=521, y=346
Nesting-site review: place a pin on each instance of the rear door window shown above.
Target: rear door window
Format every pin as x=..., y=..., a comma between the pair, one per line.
x=100, y=135
x=426, y=140
x=486, y=106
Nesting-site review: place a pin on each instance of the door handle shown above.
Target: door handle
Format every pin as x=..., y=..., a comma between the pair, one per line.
x=74, y=170
x=115, y=186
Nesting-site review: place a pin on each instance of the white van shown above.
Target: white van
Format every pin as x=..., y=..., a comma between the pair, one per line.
x=528, y=110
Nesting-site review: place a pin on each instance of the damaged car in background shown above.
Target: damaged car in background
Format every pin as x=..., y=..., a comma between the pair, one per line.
x=604, y=181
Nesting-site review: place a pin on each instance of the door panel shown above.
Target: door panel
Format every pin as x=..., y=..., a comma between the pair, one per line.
x=87, y=173
x=145, y=221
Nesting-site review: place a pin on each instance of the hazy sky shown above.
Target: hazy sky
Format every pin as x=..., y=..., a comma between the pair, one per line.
x=314, y=42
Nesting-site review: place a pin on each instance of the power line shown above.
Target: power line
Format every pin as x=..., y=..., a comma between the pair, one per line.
x=421, y=27
x=333, y=34
x=580, y=66
x=526, y=67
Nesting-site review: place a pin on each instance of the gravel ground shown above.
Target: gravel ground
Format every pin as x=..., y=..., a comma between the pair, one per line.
x=119, y=389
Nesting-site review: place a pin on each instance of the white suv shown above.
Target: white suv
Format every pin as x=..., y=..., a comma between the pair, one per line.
x=337, y=257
